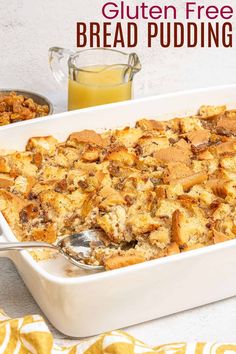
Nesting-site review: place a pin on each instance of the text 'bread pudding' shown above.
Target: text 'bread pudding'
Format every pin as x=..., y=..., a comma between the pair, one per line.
x=155, y=190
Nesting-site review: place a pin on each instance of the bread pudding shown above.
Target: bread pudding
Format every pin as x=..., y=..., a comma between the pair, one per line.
x=17, y=108
x=156, y=189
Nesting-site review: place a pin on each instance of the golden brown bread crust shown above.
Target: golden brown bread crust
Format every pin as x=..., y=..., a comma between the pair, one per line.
x=225, y=148
x=226, y=126
x=199, y=137
x=172, y=249
x=117, y=261
x=6, y=181
x=4, y=165
x=173, y=154
x=218, y=187
x=176, y=170
x=189, y=181
x=44, y=145
x=205, y=155
x=150, y=124
x=211, y=112
x=47, y=234
x=86, y=137
x=154, y=190
x=177, y=233
x=122, y=155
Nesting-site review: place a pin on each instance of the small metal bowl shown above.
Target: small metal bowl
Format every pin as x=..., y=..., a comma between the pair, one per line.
x=39, y=99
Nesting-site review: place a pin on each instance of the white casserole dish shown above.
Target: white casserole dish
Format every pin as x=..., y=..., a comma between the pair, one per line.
x=82, y=306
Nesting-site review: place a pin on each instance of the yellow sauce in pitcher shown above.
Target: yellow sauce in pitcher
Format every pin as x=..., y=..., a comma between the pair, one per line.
x=96, y=85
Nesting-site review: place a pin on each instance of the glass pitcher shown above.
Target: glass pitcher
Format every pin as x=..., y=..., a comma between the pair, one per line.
x=95, y=76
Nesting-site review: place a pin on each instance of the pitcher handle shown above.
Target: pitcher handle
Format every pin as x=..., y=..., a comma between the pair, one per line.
x=58, y=57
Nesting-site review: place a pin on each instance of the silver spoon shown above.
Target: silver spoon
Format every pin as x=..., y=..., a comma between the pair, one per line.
x=75, y=248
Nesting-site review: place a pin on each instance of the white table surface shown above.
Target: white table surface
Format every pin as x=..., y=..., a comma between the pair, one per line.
x=214, y=322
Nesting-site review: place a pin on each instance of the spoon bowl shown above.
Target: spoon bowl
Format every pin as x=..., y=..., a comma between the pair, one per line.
x=75, y=248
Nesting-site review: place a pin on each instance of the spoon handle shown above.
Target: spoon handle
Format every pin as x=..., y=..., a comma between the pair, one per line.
x=5, y=246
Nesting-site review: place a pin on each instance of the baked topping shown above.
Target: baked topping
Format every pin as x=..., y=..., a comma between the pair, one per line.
x=155, y=190
x=16, y=108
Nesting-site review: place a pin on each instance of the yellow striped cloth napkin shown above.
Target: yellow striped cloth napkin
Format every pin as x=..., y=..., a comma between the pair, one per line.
x=30, y=334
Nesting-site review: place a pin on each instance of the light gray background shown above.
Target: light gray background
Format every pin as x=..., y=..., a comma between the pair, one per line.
x=27, y=29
